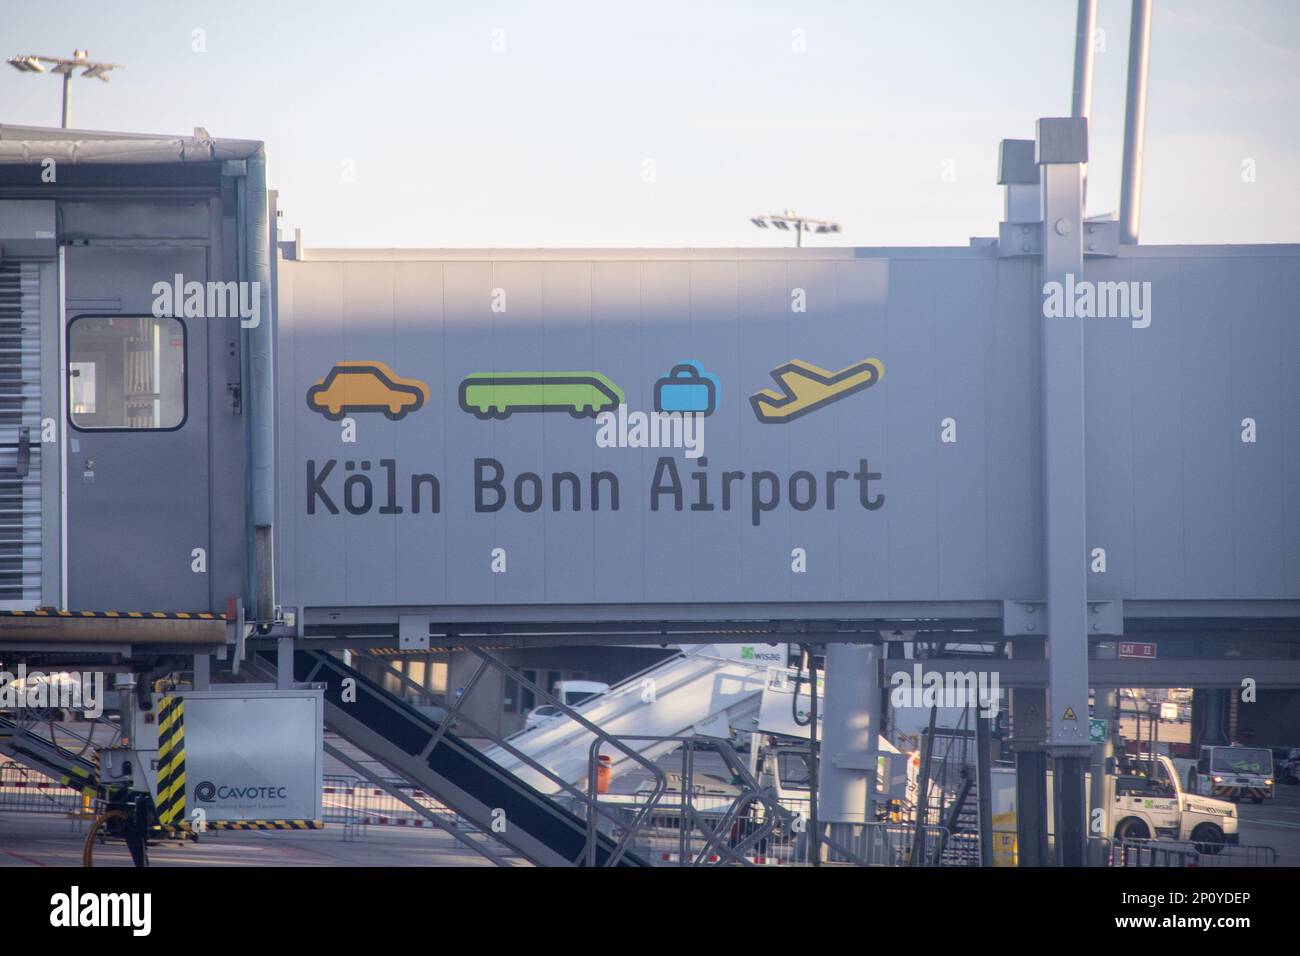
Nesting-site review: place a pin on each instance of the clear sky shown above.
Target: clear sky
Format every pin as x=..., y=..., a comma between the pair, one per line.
x=569, y=123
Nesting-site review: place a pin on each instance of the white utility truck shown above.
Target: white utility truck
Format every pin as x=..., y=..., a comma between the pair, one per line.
x=1144, y=801
x=1234, y=772
x=1147, y=802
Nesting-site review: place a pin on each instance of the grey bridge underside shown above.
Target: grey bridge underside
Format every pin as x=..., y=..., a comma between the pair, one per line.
x=1190, y=672
x=829, y=620
x=1267, y=626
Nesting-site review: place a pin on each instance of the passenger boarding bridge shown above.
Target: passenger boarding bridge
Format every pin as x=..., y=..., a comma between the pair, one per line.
x=228, y=458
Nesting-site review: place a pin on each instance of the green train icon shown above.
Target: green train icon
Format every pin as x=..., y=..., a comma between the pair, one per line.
x=500, y=394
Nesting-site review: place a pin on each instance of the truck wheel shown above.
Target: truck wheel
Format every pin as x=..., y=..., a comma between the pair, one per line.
x=1132, y=829
x=1208, y=839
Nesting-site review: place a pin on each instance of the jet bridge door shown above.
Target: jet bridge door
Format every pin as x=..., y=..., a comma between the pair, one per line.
x=29, y=467
x=137, y=425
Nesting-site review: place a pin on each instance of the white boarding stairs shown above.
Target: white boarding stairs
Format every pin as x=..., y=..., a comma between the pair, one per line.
x=705, y=691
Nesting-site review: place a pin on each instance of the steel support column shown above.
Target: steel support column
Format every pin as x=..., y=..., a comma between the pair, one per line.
x=1028, y=741
x=1135, y=123
x=850, y=730
x=1105, y=709
x=1081, y=98
x=984, y=783
x=1061, y=151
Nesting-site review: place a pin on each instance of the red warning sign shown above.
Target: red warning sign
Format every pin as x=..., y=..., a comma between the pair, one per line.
x=1137, y=651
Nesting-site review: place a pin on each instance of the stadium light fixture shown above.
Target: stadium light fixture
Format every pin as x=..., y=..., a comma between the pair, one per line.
x=64, y=67
x=789, y=220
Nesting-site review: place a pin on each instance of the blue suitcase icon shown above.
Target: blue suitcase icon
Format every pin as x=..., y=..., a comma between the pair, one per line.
x=687, y=388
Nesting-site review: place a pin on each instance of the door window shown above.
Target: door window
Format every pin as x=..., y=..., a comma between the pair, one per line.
x=126, y=372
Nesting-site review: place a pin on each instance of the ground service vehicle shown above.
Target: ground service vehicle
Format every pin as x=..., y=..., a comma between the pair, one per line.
x=1148, y=803
x=1288, y=769
x=1234, y=772
x=1144, y=801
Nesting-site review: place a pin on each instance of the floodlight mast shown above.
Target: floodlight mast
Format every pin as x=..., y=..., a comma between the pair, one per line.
x=64, y=67
x=801, y=224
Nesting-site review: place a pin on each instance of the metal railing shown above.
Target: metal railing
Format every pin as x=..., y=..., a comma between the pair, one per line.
x=748, y=825
x=25, y=791
x=668, y=835
x=357, y=805
x=1189, y=854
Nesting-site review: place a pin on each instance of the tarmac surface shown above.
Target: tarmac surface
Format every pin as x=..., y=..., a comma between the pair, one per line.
x=33, y=839
x=53, y=839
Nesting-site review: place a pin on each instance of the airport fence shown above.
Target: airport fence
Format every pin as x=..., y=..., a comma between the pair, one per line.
x=23, y=790
x=1158, y=853
x=357, y=804
x=720, y=830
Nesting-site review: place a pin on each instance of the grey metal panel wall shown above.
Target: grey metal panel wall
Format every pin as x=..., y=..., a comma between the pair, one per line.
x=952, y=525
x=1183, y=508
x=1289, y=272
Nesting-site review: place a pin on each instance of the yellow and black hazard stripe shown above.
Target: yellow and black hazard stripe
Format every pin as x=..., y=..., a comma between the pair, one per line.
x=80, y=779
x=186, y=827
x=170, y=801
x=127, y=615
x=1241, y=790
x=266, y=825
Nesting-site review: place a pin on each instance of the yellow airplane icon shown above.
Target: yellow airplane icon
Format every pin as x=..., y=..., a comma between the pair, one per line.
x=806, y=387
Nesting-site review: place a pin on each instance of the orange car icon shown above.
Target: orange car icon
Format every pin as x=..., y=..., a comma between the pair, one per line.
x=366, y=387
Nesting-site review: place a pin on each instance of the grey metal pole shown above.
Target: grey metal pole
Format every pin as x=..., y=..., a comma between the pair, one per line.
x=259, y=237
x=814, y=762
x=923, y=794
x=984, y=784
x=1081, y=102
x=1104, y=751
x=850, y=731
x=1062, y=149
x=1028, y=741
x=67, y=96
x=1135, y=123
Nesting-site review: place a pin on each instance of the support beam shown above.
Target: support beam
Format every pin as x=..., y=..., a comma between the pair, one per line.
x=1028, y=741
x=1202, y=672
x=1135, y=123
x=850, y=730
x=1069, y=807
x=1031, y=807
x=1062, y=149
x=984, y=784
x=284, y=663
x=1081, y=98
x=1085, y=27
x=1100, y=796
